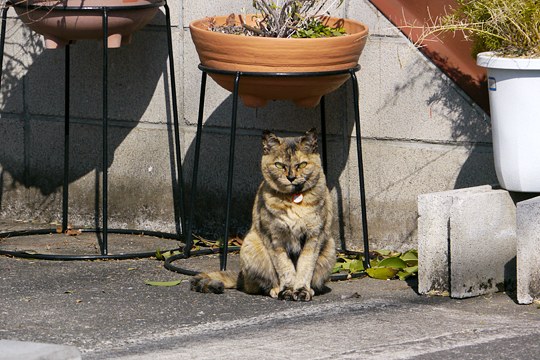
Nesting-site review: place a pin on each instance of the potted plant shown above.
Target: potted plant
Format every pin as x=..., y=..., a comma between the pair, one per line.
x=63, y=21
x=506, y=38
x=282, y=36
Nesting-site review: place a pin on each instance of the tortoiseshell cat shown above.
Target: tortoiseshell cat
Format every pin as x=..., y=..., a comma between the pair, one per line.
x=289, y=251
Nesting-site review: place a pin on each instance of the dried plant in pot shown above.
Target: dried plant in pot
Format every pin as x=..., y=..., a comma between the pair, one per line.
x=506, y=41
x=64, y=21
x=280, y=38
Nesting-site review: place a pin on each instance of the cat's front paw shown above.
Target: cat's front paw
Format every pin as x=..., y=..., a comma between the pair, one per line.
x=303, y=294
x=274, y=293
x=286, y=294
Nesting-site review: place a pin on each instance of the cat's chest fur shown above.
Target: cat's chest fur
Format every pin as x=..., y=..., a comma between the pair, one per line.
x=299, y=220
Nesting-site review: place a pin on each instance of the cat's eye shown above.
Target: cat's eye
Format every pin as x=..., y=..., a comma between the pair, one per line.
x=280, y=165
x=301, y=165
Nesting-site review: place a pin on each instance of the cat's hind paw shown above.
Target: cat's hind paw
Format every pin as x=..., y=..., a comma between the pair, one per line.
x=205, y=284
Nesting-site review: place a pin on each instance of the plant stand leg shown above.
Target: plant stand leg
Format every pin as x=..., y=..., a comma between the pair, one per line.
x=225, y=248
x=354, y=82
x=65, y=185
x=3, y=39
x=179, y=188
x=323, y=136
x=189, y=229
x=104, y=200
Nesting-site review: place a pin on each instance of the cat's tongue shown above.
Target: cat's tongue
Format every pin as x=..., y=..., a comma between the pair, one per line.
x=297, y=198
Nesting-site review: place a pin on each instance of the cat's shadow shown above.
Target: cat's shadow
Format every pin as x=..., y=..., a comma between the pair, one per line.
x=325, y=290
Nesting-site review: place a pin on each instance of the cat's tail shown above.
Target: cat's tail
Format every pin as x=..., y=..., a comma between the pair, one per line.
x=214, y=282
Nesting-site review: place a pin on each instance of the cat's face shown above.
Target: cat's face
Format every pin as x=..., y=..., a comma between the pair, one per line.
x=291, y=165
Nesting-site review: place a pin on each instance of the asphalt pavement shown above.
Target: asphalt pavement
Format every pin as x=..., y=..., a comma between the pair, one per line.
x=106, y=310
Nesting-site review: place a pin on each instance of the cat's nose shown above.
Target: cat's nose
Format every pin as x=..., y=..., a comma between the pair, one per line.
x=291, y=178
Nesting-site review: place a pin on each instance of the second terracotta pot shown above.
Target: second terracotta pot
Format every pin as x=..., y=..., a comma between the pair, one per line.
x=263, y=54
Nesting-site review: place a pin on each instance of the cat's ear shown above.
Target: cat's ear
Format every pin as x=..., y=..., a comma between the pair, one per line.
x=269, y=140
x=308, y=142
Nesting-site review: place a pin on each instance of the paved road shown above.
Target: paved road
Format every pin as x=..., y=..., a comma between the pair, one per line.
x=106, y=310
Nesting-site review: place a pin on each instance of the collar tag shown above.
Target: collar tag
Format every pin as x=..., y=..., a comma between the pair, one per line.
x=297, y=198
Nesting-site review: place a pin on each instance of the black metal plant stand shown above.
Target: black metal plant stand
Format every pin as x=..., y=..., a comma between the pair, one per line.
x=237, y=76
x=104, y=230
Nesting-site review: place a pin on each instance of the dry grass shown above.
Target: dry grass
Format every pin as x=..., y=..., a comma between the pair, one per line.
x=508, y=27
x=284, y=19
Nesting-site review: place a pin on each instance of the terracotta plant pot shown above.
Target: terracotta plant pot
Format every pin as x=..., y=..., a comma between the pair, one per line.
x=264, y=54
x=60, y=26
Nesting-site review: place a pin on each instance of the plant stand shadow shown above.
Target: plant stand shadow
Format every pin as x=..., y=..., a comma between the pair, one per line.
x=104, y=230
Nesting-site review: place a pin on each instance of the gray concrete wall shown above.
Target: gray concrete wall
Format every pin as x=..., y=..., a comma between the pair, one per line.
x=421, y=133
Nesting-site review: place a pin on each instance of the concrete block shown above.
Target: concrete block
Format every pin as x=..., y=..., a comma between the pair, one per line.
x=466, y=242
x=528, y=251
x=15, y=350
x=482, y=244
x=433, y=236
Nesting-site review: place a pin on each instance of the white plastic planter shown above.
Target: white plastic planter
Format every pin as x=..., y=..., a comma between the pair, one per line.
x=514, y=98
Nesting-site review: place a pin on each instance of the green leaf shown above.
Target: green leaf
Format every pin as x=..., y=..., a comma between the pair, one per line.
x=343, y=259
x=383, y=252
x=382, y=273
x=356, y=266
x=163, y=283
x=411, y=269
x=410, y=257
x=407, y=272
x=168, y=254
x=393, y=262
x=403, y=275
x=413, y=254
x=336, y=269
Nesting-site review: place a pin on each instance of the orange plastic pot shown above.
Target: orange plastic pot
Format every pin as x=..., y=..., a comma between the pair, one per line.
x=62, y=21
x=263, y=54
